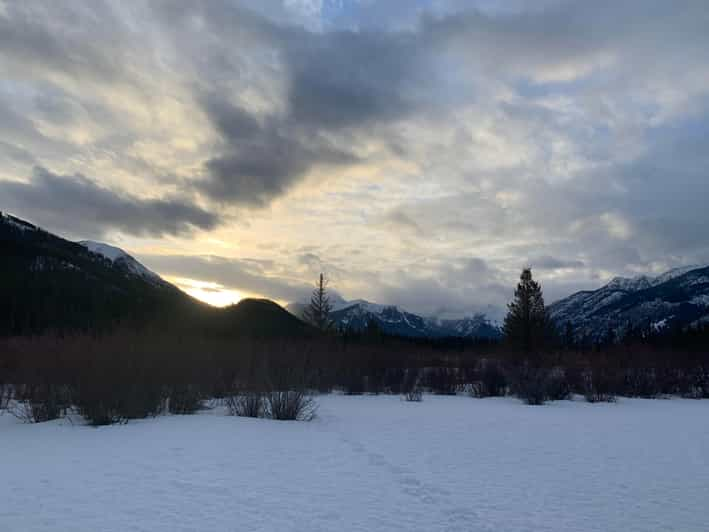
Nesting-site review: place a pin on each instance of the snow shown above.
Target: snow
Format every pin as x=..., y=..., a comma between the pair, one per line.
x=115, y=254
x=630, y=285
x=701, y=300
x=368, y=463
x=659, y=325
x=374, y=308
x=16, y=222
x=674, y=272
x=110, y=252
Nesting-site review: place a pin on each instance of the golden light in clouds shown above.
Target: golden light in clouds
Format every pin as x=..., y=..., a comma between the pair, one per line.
x=212, y=293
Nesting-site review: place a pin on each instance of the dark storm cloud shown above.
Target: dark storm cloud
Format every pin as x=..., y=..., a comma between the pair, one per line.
x=80, y=206
x=344, y=79
x=261, y=159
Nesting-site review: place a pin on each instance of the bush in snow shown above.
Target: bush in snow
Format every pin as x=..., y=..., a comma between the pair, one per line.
x=393, y=380
x=37, y=403
x=290, y=405
x=441, y=381
x=492, y=381
x=530, y=383
x=248, y=404
x=598, y=387
x=698, y=383
x=557, y=385
x=105, y=400
x=641, y=382
x=6, y=394
x=353, y=383
x=184, y=398
x=411, y=387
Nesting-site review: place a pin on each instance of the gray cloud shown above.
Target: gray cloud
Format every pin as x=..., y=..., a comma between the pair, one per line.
x=571, y=135
x=261, y=160
x=547, y=262
x=80, y=206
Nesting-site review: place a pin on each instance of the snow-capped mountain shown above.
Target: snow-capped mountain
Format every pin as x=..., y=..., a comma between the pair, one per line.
x=122, y=260
x=356, y=315
x=679, y=297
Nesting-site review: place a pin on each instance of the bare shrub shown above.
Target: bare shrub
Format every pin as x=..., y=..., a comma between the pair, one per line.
x=641, y=382
x=37, y=403
x=353, y=383
x=530, y=384
x=698, y=383
x=108, y=401
x=184, y=399
x=415, y=395
x=6, y=394
x=248, y=404
x=393, y=380
x=557, y=385
x=441, y=381
x=290, y=405
x=492, y=381
x=374, y=382
x=598, y=387
x=411, y=387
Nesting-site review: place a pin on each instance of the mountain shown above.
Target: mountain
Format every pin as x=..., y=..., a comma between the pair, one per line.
x=356, y=315
x=677, y=298
x=48, y=283
x=123, y=261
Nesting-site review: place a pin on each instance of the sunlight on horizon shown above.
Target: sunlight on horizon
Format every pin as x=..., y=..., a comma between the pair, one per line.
x=208, y=292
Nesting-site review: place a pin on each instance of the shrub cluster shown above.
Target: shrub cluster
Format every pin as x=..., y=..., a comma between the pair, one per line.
x=128, y=374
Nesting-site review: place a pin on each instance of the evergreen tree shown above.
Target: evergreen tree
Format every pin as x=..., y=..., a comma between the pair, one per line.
x=318, y=312
x=526, y=324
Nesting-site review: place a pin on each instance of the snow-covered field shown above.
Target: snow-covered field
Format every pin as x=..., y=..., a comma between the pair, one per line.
x=369, y=464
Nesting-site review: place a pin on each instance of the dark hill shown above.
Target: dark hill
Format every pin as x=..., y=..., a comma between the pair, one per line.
x=48, y=283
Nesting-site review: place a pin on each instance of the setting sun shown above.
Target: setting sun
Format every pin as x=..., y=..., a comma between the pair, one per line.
x=212, y=293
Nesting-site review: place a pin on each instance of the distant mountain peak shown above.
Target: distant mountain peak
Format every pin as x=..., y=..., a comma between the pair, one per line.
x=357, y=314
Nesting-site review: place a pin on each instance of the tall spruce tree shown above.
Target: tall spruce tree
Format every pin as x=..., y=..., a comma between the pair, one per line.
x=318, y=311
x=526, y=324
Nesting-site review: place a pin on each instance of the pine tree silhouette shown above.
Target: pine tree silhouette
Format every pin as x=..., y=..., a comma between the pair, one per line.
x=318, y=312
x=526, y=324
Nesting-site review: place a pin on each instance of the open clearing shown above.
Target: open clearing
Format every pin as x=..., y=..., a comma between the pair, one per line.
x=368, y=463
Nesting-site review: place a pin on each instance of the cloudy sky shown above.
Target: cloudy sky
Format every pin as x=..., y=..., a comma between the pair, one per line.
x=419, y=152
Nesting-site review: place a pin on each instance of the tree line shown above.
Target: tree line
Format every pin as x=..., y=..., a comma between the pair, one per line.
x=111, y=376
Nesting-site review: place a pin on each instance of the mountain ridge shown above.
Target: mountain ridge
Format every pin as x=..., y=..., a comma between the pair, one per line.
x=358, y=314
x=677, y=298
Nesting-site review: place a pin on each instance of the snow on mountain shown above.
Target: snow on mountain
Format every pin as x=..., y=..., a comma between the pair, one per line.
x=122, y=259
x=16, y=222
x=358, y=314
x=674, y=272
x=675, y=298
x=630, y=284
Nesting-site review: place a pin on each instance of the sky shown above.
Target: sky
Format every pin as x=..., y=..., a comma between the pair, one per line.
x=420, y=153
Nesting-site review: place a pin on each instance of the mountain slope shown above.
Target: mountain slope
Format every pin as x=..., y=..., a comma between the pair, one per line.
x=677, y=298
x=122, y=260
x=48, y=283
